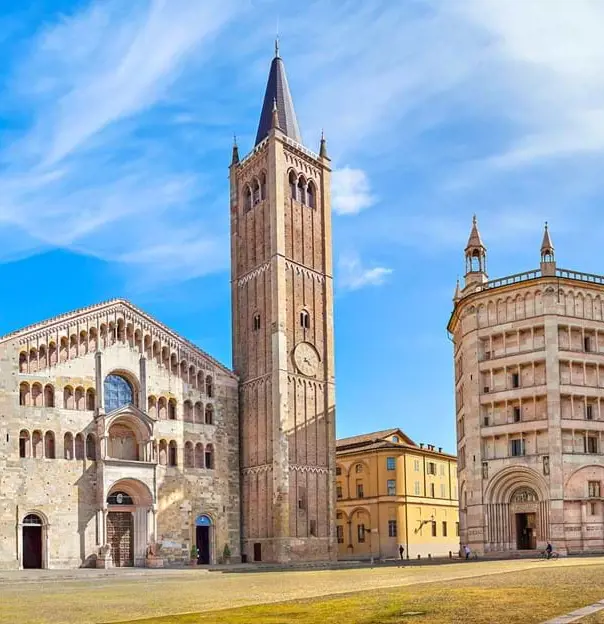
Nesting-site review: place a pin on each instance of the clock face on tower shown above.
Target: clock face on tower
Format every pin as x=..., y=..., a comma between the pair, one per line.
x=306, y=359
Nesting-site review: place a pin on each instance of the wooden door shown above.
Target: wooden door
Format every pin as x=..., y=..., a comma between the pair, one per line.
x=120, y=538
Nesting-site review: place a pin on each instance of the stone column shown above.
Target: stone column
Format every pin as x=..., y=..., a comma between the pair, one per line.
x=140, y=535
x=100, y=399
x=143, y=381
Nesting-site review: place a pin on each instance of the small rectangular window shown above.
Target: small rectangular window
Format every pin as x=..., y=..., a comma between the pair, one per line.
x=593, y=489
x=312, y=529
x=433, y=528
x=516, y=448
x=457, y=529
x=416, y=465
x=416, y=488
x=444, y=529
x=361, y=533
x=391, y=487
x=391, y=528
x=516, y=414
x=587, y=344
x=340, y=532
x=589, y=412
x=515, y=380
x=390, y=463
x=592, y=509
x=358, y=468
x=360, y=491
x=339, y=491
x=591, y=444
x=432, y=490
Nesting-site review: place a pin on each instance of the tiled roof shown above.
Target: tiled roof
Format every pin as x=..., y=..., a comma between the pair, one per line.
x=374, y=436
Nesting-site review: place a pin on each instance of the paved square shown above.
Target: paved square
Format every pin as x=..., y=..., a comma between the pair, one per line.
x=91, y=596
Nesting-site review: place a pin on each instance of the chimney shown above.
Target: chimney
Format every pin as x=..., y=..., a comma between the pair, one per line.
x=440, y=449
x=421, y=445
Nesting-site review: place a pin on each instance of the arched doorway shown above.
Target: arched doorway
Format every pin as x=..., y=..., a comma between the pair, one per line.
x=203, y=538
x=32, y=541
x=517, y=510
x=524, y=506
x=129, y=522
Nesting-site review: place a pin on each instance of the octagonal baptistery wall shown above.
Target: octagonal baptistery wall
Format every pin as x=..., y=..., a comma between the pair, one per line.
x=118, y=440
x=529, y=390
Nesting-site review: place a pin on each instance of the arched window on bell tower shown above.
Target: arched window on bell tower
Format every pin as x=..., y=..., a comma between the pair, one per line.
x=293, y=185
x=302, y=190
x=304, y=319
x=247, y=198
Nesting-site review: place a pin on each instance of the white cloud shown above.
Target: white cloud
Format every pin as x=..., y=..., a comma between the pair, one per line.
x=94, y=172
x=350, y=191
x=352, y=275
x=549, y=56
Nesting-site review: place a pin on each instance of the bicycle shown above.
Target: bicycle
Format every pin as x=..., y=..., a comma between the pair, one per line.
x=553, y=555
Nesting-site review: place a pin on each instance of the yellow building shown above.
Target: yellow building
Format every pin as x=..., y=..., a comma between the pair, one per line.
x=391, y=491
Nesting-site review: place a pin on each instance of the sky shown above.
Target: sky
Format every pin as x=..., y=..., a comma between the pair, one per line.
x=116, y=126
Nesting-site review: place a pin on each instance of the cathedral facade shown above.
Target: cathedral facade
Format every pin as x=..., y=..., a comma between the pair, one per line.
x=529, y=396
x=123, y=444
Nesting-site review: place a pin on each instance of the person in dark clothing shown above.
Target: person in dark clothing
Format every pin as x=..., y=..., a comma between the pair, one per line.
x=548, y=549
x=401, y=550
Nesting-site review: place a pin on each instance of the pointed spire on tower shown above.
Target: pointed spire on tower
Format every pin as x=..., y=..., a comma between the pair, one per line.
x=547, y=247
x=323, y=146
x=476, y=255
x=277, y=89
x=548, y=261
x=235, y=156
x=475, y=240
x=457, y=294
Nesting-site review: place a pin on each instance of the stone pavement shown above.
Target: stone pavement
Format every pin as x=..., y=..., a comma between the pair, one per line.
x=579, y=614
x=91, y=596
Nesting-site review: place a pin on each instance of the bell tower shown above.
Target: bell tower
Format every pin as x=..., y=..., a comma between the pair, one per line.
x=282, y=310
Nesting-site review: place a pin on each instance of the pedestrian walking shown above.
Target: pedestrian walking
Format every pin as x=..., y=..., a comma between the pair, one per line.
x=467, y=550
x=401, y=551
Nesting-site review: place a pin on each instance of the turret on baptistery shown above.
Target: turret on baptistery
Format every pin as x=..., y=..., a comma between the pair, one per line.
x=548, y=262
x=476, y=258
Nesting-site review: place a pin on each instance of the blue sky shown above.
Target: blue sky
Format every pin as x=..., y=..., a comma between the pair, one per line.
x=116, y=123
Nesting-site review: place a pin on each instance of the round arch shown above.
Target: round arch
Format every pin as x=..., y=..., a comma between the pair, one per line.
x=137, y=490
x=130, y=524
x=204, y=519
x=504, y=483
x=115, y=392
x=204, y=538
x=33, y=540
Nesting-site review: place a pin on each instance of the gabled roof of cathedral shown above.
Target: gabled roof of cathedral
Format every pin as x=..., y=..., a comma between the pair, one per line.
x=61, y=319
x=277, y=92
